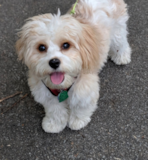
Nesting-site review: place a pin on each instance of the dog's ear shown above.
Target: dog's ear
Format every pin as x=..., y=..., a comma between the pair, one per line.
x=89, y=48
x=24, y=38
x=28, y=31
x=19, y=48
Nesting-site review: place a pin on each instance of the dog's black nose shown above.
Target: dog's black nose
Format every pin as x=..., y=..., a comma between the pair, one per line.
x=54, y=63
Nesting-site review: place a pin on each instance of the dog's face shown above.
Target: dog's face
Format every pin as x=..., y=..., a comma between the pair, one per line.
x=58, y=48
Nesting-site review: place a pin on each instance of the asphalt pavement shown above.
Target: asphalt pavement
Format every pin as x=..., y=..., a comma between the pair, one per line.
x=119, y=127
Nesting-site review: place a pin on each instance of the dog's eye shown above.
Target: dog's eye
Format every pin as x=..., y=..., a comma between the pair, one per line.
x=65, y=45
x=42, y=48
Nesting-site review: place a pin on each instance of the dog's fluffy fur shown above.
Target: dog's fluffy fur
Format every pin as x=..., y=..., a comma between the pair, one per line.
x=97, y=30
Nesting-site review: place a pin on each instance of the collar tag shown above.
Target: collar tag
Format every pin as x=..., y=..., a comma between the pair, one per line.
x=62, y=96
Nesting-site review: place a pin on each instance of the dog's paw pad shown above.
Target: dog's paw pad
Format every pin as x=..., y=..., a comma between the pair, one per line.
x=77, y=124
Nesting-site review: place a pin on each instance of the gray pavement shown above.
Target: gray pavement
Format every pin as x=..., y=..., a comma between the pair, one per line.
x=119, y=127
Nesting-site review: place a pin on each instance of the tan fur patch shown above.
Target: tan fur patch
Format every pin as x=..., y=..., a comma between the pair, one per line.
x=83, y=11
x=89, y=48
x=42, y=18
x=94, y=46
x=121, y=8
x=18, y=47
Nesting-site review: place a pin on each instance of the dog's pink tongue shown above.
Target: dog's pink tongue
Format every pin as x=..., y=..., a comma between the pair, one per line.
x=57, y=77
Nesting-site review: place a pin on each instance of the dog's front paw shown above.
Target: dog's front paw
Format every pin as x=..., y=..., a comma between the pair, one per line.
x=76, y=123
x=51, y=125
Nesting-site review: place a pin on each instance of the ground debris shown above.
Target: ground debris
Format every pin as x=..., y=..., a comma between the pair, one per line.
x=13, y=95
x=117, y=158
x=16, y=103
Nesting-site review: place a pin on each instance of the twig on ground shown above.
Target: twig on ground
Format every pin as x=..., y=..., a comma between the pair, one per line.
x=3, y=99
x=117, y=158
x=135, y=137
x=82, y=135
x=144, y=113
x=15, y=103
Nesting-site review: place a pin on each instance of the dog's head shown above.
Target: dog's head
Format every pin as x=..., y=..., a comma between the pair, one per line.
x=58, y=48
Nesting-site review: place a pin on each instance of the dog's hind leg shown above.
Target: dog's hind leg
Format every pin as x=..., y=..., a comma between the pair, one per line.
x=120, y=51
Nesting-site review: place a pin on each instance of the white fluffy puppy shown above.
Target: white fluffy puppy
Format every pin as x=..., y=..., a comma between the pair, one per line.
x=64, y=55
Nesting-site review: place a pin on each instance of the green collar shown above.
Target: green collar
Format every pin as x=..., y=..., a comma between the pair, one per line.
x=73, y=10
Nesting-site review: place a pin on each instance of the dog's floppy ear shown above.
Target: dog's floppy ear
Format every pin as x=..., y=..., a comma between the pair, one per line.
x=24, y=38
x=25, y=33
x=28, y=31
x=19, y=48
x=89, y=48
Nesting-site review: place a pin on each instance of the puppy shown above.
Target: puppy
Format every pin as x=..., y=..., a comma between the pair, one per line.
x=64, y=55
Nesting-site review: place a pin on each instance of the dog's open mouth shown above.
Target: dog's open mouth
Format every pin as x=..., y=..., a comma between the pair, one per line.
x=57, y=77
